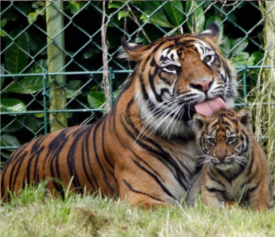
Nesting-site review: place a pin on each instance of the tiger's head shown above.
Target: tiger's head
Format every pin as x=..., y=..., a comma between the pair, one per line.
x=225, y=138
x=179, y=75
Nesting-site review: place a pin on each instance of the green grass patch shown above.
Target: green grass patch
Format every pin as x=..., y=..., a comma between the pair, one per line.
x=34, y=214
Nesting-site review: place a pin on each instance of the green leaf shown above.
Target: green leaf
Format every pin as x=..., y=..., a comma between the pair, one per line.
x=10, y=14
x=32, y=84
x=76, y=6
x=96, y=99
x=74, y=84
x=39, y=115
x=32, y=17
x=115, y=22
x=69, y=115
x=158, y=18
x=3, y=22
x=37, y=44
x=8, y=140
x=24, y=6
x=241, y=46
x=3, y=33
x=38, y=5
x=90, y=52
x=12, y=105
x=116, y=4
x=6, y=155
x=196, y=19
x=175, y=12
x=28, y=85
x=226, y=45
x=16, y=56
x=256, y=57
x=122, y=14
x=73, y=88
x=10, y=126
x=33, y=123
x=241, y=59
x=72, y=93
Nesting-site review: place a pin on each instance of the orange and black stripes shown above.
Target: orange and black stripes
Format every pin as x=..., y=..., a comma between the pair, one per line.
x=144, y=149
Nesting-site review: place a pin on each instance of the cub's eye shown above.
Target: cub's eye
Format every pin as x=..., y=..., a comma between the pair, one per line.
x=211, y=141
x=208, y=58
x=171, y=68
x=231, y=140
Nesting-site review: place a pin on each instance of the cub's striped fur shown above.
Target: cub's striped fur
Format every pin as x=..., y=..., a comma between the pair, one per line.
x=236, y=167
x=144, y=150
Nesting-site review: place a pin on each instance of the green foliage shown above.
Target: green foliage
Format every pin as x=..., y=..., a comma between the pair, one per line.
x=75, y=6
x=174, y=11
x=153, y=13
x=3, y=22
x=17, y=53
x=8, y=140
x=96, y=99
x=196, y=19
x=12, y=105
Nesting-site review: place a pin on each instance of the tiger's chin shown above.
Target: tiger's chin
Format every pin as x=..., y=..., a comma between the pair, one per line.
x=224, y=166
x=229, y=165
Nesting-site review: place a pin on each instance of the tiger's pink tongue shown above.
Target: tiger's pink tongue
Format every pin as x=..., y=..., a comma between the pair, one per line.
x=208, y=107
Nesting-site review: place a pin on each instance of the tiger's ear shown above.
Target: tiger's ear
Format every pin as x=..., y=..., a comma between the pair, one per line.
x=131, y=51
x=245, y=118
x=199, y=122
x=212, y=31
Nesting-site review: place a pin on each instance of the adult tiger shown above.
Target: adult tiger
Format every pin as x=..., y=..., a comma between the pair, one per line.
x=144, y=150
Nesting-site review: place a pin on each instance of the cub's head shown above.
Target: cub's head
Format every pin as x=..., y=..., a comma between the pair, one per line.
x=179, y=75
x=225, y=137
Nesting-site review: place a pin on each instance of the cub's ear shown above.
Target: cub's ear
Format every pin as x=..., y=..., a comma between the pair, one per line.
x=199, y=122
x=245, y=118
x=212, y=31
x=131, y=51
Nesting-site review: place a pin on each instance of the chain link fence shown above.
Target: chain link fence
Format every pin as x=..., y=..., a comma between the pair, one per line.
x=52, y=56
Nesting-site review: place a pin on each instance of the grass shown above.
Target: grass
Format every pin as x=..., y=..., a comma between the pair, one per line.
x=33, y=214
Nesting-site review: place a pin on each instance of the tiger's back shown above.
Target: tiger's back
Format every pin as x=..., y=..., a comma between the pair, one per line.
x=236, y=167
x=144, y=149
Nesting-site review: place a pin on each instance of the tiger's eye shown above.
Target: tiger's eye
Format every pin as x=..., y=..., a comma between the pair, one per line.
x=207, y=59
x=171, y=67
x=231, y=140
x=211, y=141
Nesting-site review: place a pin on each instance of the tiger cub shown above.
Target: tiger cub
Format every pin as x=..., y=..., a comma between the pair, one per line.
x=235, y=166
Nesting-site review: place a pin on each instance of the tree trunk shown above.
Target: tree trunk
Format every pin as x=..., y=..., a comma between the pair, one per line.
x=56, y=61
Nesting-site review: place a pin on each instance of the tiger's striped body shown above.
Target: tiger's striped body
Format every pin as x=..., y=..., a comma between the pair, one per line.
x=236, y=167
x=144, y=150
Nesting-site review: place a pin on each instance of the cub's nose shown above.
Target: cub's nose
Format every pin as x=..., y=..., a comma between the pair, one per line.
x=221, y=155
x=202, y=85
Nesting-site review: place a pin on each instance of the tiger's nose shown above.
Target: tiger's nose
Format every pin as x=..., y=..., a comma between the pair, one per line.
x=202, y=85
x=221, y=155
